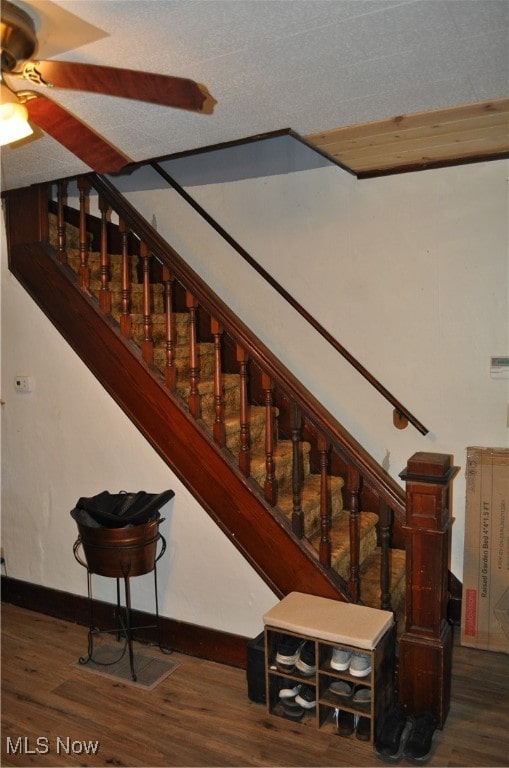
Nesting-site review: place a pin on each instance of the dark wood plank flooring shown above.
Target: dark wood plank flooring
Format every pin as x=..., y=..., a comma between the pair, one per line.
x=200, y=715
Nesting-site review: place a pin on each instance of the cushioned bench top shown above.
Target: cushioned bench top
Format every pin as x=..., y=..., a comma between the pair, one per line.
x=331, y=620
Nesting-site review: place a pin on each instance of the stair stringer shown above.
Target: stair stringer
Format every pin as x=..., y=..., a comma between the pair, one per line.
x=285, y=563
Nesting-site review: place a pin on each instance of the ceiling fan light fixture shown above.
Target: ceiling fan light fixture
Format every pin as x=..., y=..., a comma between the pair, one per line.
x=14, y=123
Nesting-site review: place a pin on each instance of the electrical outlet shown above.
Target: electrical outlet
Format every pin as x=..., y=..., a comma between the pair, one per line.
x=24, y=384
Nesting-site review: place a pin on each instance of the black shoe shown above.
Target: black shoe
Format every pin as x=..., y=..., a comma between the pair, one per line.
x=291, y=709
x=363, y=729
x=306, y=697
x=389, y=742
x=295, y=715
x=345, y=722
x=287, y=651
x=288, y=709
x=422, y=728
x=306, y=659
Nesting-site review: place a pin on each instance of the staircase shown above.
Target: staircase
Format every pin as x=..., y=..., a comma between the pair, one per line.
x=336, y=515
x=257, y=423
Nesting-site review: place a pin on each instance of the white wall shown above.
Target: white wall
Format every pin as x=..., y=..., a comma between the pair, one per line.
x=408, y=272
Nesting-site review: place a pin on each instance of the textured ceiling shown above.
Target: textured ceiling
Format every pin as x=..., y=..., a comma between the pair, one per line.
x=308, y=65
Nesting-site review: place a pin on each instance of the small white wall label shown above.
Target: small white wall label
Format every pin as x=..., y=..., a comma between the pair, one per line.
x=500, y=368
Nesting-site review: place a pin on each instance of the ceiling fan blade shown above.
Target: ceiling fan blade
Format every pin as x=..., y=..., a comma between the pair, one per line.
x=77, y=137
x=177, y=92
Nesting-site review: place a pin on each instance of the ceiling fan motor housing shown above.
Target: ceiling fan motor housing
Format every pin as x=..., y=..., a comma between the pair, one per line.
x=18, y=36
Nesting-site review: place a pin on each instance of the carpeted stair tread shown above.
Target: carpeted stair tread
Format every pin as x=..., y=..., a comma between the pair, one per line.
x=310, y=502
x=181, y=328
x=136, y=296
x=94, y=265
x=370, y=577
x=232, y=428
x=231, y=397
x=72, y=234
x=340, y=541
x=135, y=293
x=282, y=457
x=182, y=362
x=257, y=420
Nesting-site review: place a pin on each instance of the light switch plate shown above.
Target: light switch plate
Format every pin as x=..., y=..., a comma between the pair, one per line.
x=23, y=384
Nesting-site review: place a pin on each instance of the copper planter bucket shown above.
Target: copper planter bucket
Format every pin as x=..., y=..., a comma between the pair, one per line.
x=120, y=552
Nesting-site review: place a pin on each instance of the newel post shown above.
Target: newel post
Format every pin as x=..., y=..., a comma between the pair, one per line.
x=425, y=654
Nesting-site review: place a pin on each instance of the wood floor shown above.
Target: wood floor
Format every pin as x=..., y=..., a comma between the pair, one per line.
x=200, y=715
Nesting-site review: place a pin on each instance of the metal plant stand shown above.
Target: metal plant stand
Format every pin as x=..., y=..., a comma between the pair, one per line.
x=120, y=559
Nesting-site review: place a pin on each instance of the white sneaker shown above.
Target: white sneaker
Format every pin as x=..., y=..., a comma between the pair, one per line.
x=340, y=659
x=306, y=697
x=360, y=665
x=289, y=690
x=305, y=663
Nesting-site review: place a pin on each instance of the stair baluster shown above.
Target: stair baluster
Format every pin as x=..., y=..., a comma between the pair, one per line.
x=219, y=431
x=84, y=269
x=297, y=513
x=147, y=345
x=353, y=488
x=270, y=485
x=245, y=428
x=193, y=400
x=385, y=522
x=104, y=290
x=170, y=371
x=325, y=509
x=61, y=234
x=125, y=300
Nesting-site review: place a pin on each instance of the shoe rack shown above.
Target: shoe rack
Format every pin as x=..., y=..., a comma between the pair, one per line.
x=329, y=705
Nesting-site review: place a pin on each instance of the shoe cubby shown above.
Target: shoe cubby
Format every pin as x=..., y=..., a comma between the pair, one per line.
x=332, y=634
x=280, y=679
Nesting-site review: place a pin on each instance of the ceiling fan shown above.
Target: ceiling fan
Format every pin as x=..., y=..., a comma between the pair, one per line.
x=19, y=43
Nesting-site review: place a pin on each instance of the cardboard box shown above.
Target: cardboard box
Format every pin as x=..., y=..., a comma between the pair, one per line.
x=485, y=603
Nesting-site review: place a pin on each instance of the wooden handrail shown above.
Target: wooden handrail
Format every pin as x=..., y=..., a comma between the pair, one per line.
x=381, y=482
x=401, y=412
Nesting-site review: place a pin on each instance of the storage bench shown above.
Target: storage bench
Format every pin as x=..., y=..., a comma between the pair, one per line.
x=329, y=624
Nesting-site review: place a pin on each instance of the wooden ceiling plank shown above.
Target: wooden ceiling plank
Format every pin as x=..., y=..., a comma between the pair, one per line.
x=414, y=120
x=439, y=137
x=404, y=159
x=486, y=123
x=443, y=154
x=497, y=137
x=477, y=146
